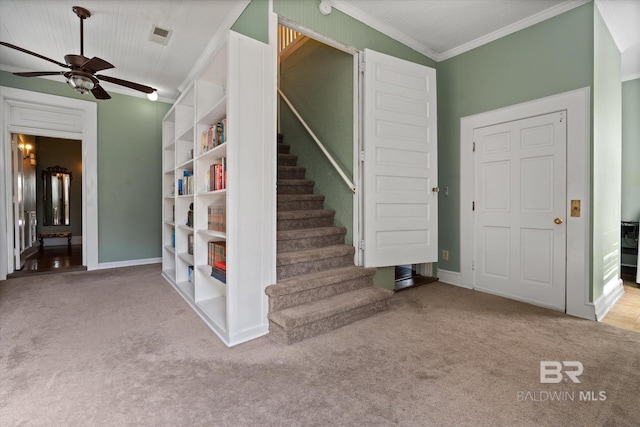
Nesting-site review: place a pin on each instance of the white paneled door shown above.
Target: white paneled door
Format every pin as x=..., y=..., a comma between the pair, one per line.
x=520, y=207
x=400, y=199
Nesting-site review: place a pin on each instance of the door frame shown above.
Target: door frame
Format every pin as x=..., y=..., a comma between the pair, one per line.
x=81, y=124
x=577, y=105
x=357, y=125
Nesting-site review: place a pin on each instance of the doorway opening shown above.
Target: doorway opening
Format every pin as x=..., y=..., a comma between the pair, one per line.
x=47, y=214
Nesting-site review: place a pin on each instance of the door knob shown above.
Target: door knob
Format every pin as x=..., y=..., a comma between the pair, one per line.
x=558, y=220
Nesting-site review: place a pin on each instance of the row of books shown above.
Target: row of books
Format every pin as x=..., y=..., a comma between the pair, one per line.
x=219, y=271
x=217, y=176
x=217, y=218
x=185, y=183
x=217, y=259
x=214, y=136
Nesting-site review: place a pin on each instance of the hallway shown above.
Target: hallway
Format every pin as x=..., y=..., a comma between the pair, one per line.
x=52, y=259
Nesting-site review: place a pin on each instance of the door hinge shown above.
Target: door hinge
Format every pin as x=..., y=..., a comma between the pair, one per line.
x=473, y=265
x=362, y=67
x=473, y=206
x=362, y=245
x=474, y=147
x=362, y=156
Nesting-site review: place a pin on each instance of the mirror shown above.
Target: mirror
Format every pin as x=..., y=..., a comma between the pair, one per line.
x=56, y=182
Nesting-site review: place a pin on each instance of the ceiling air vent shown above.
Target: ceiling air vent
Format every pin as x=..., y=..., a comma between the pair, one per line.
x=160, y=35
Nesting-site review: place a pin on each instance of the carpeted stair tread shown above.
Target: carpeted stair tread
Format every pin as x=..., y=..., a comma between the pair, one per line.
x=316, y=254
x=306, y=282
x=291, y=172
x=287, y=159
x=292, y=182
x=303, y=214
x=295, y=317
x=294, y=202
x=306, y=233
x=283, y=148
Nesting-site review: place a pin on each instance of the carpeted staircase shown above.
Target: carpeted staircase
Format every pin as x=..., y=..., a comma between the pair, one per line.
x=318, y=287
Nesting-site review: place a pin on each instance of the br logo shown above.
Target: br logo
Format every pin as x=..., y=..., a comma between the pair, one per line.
x=553, y=372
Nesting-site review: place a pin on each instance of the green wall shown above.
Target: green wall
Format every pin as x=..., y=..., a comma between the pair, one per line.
x=551, y=57
x=606, y=158
x=318, y=80
x=129, y=169
x=254, y=21
x=631, y=150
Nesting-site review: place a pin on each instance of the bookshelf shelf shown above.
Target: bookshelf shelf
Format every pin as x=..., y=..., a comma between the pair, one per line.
x=219, y=139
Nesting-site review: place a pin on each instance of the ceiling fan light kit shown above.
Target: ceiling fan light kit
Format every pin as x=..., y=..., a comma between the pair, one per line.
x=82, y=75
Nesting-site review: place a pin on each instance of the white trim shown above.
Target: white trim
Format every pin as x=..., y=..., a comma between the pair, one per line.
x=451, y=278
x=88, y=134
x=577, y=105
x=128, y=263
x=613, y=291
x=317, y=36
x=399, y=36
x=385, y=29
x=512, y=28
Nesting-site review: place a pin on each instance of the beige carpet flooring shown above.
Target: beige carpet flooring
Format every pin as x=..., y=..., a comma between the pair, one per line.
x=121, y=348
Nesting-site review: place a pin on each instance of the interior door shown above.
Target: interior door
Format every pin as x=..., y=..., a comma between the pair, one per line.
x=520, y=205
x=400, y=199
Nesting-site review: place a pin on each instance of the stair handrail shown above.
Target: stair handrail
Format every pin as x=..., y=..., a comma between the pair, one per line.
x=335, y=165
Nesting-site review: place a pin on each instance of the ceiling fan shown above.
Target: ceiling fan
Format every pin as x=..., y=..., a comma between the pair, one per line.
x=81, y=74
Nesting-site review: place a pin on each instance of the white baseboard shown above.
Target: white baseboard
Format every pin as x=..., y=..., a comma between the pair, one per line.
x=129, y=263
x=451, y=277
x=612, y=293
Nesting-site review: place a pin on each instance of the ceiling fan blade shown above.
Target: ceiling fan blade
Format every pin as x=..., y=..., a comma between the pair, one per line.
x=96, y=64
x=131, y=85
x=39, y=73
x=100, y=93
x=34, y=54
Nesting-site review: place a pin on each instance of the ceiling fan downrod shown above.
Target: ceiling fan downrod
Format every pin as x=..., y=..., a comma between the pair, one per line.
x=83, y=14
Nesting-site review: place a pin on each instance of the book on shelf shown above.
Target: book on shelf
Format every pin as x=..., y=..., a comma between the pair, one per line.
x=217, y=218
x=189, y=222
x=215, y=135
x=173, y=237
x=190, y=276
x=217, y=176
x=190, y=244
x=219, y=271
x=216, y=252
x=185, y=183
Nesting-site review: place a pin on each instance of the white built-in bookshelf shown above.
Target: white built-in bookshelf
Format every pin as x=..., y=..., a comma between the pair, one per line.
x=228, y=179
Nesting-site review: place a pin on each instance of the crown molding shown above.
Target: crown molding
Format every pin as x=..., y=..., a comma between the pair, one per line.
x=384, y=28
x=516, y=26
x=425, y=50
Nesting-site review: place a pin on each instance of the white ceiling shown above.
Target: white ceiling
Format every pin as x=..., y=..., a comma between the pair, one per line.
x=118, y=31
